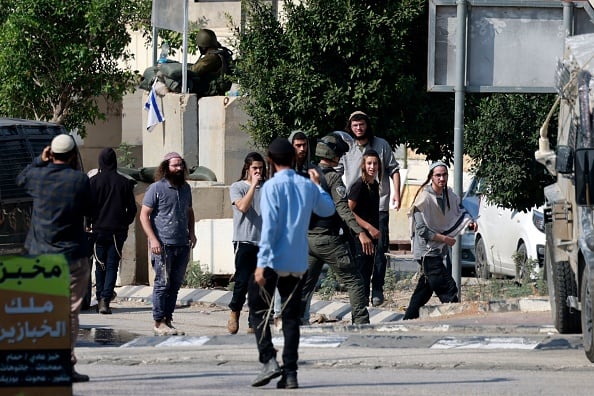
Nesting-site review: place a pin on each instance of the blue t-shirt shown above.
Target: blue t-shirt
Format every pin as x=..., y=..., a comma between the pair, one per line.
x=170, y=215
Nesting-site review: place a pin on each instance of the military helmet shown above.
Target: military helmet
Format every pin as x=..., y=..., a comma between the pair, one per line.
x=331, y=146
x=206, y=38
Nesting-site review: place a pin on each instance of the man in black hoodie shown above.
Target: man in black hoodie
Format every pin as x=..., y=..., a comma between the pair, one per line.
x=114, y=209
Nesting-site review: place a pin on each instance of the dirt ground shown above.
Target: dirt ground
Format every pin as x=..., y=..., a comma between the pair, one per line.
x=474, y=294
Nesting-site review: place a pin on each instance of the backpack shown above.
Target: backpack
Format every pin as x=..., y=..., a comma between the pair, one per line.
x=222, y=83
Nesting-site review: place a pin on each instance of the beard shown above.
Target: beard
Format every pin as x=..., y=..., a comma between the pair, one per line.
x=177, y=178
x=362, y=137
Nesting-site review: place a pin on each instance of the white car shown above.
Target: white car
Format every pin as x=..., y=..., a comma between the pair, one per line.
x=507, y=240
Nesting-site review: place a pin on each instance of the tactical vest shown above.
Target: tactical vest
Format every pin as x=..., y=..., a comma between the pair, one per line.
x=332, y=223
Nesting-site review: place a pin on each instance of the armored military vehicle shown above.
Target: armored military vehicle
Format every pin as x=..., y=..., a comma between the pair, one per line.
x=569, y=208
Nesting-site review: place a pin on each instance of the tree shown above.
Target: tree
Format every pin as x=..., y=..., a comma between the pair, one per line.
x=59, y=57
x=501, y=135
x=324, y=59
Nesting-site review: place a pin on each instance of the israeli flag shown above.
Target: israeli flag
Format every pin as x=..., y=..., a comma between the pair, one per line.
x=154, y=114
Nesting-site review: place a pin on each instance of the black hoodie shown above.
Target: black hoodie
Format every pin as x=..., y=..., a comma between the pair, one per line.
x=114, y=207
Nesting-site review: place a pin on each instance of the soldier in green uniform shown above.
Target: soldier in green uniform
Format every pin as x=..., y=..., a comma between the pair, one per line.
x=327, y=244
x=209, y=65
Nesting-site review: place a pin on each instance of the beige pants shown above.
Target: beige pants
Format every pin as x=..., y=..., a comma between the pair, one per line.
x=79, y=278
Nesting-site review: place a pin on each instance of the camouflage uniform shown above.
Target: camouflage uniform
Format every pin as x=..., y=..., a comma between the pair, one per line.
x=208, y=67
x=327, y=245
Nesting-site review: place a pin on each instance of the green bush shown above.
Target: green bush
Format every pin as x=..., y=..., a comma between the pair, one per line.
x=197, y=276
x=329, y=285
x=126, y=158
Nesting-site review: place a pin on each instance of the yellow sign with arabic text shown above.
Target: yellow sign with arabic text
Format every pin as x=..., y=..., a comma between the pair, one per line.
x=35, y=325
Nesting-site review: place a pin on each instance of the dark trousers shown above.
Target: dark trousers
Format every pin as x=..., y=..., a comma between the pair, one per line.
x=383, y=244
x=107, y=254
x=246, y=258
x=434, y=278
x=366, y=266
x=334, y=250
x=260, y=301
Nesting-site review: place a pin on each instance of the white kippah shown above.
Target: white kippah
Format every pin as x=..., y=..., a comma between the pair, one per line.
x=62, y=144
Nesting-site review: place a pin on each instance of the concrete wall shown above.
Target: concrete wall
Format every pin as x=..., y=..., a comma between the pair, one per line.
x=222, y=144
x=179, y=131
x=133, y=269
x=214, y=249
x=105, y=133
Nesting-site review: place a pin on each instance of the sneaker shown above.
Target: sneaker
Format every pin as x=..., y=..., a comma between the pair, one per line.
x=288, y=381
x=251, y=330
x=270, y=370
x=173, y=328
x=161, y=329
x=78, y=377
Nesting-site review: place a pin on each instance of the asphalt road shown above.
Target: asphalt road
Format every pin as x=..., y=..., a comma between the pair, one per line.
x=496, y=353
x=348, y=370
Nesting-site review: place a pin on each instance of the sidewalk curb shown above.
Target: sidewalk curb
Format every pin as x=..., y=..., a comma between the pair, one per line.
x=337, y=311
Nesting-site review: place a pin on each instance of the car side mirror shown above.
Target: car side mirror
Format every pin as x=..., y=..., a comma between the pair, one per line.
x=564, y=160
x=584, y=177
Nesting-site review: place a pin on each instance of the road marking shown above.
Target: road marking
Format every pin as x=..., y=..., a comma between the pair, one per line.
x=166, y=341
x=320, y=341
x=183, y=341
x=485, y=343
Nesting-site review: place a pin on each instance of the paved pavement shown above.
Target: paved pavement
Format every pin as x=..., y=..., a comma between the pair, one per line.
x=203, y=312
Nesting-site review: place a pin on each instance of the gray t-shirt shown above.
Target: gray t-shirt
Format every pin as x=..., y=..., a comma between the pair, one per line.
x=169, y=217
x=246, y=226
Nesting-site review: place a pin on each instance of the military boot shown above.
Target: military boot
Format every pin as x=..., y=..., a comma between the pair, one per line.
x=233, y=323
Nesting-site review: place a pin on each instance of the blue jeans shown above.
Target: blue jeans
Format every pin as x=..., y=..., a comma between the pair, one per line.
x=170, y=271
x=383, y=244
x=107, y=254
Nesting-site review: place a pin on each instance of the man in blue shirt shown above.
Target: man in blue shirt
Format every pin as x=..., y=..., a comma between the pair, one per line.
x=287, y=202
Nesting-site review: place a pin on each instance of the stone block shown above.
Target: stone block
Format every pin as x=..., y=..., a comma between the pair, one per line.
x=223, y=144
x=177, y=133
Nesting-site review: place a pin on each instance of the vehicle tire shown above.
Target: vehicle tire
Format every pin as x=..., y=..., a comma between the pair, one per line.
x=587, y=300
x=521, y=261
x=561, y=284
x=481, y=267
